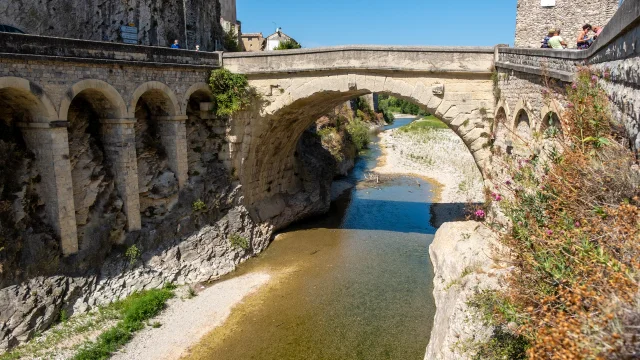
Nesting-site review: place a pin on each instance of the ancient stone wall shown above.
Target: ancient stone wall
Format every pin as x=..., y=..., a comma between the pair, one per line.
x=159, y=21
x=533, y=20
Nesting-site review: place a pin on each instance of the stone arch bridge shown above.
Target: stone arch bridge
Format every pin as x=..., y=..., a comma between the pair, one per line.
x=48, y=84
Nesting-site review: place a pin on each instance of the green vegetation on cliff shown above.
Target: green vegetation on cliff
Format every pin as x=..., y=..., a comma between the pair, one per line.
x=231, y=92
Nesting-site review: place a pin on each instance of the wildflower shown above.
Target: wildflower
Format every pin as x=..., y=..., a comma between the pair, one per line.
x=496, y=197
x=577, y=224
x=545, y=91
x=508, y=182
x=480, y=214
x=570, y=105
x=594, y=78
x=574, y=86
x=519, y=223
x=549, y=232
x=607, y=75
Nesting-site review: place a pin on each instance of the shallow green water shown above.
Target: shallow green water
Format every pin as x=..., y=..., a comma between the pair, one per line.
x=356, y=284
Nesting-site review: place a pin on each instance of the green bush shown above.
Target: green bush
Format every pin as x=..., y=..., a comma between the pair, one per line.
x=133, y=254
x=231, y=92
x=359, y=133
x=199, y=205
x=288, y=45
x=239, y=242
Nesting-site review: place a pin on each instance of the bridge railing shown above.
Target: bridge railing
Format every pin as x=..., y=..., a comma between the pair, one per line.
x=44, y=47
x=618, y=41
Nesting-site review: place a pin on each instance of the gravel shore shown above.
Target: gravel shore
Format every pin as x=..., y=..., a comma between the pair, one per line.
x=185, y=321
x=438, y=155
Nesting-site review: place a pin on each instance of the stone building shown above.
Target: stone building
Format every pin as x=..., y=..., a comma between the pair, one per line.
x=252, y=42
x=158, y=22
x=535, y=18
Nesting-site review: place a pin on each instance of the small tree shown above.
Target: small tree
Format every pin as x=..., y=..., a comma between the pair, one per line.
x=231, y=40
x=288, y=45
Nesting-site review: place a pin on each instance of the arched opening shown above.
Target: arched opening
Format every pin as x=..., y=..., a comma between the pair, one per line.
x=522, y=134
x=158, y=184
x=277, y=177
x=206, y=145
x=551, y=127
x=99, y=206
x=28, y=241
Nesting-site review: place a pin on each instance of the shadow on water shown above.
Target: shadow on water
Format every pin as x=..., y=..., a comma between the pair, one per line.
x=354, y=284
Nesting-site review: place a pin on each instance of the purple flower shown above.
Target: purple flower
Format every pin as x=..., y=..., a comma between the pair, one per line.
x=480, y=214
x=607, y=75
x=508, y=182
x=594, y=78
x=545, y=91
x=570, y=105
x=577, y=224
x=574, y=86
x=549, y=232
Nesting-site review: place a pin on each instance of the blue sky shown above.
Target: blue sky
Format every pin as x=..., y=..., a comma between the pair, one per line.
x=399, y=22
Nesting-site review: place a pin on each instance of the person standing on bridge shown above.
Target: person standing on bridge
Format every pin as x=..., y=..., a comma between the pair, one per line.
x=175, y=45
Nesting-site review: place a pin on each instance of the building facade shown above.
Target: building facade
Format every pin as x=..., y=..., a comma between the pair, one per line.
x=536, y=17
x=252, y=42
x=274, y=40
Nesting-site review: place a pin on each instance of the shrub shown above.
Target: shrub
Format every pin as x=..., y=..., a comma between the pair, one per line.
x=231, y=41
x=199, y=205
x=239, y=242
x=231, y=92
x=332, y=141
x=133, y=254
x=359, y=133
x=288, y=45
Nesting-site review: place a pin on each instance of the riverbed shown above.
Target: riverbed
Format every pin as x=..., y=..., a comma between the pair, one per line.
x=355, y=284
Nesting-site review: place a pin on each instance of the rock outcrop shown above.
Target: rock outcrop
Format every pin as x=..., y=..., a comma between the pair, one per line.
x=462, y=256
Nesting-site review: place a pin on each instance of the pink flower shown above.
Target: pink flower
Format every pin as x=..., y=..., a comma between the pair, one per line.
x=570, y=105
x=480, y=214
x=607, y=75
x=496, y=197
x=594, y=78
x=549, y=232
x=577, y=224
x=508, y=182
x=574, y=86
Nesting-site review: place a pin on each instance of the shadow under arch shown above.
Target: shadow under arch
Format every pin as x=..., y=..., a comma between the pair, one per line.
x=18, y=95
x=101, y=94
x=267, y=163
x=157, y=94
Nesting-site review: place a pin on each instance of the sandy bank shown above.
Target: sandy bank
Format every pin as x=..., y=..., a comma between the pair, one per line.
x=184, y=322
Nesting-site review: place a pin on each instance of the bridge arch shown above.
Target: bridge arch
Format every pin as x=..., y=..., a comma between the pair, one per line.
x=523, y=122
x=102, y=95
x=21, y=93
x=551, y=113
x=158, y=95
x=201, y=89
x=265, y=139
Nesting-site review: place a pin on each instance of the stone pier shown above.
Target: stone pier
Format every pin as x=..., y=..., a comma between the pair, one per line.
x=119, y=138
x=50, y=144
x=173, y=135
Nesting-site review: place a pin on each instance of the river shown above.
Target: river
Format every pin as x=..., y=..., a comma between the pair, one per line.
x=356, y=284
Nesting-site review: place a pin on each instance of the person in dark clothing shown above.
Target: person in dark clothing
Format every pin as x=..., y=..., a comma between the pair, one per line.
x=584, y=41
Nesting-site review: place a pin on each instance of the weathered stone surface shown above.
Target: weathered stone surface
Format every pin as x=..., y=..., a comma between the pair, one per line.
x=462, y=254
x=159, y=22
x=533, y=21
